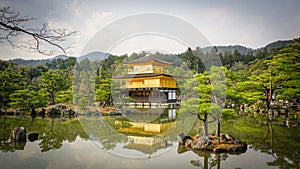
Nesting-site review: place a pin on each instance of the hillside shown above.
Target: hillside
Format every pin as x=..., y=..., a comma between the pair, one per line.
x=97, y=55
x=30, y=62
x=223, y=49
x=91, y=56
x=278, y=44
x=244, y=50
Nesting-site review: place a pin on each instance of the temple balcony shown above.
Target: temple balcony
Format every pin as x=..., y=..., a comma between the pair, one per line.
x=148, y=70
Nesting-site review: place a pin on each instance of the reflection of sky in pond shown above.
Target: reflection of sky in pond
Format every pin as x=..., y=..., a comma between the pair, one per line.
x=122, y=150
x=85, y=154
x=250, y=159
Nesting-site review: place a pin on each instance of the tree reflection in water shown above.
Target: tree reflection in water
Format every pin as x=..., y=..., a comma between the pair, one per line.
x=268, y=136
x=52, y=131
x=210, y=160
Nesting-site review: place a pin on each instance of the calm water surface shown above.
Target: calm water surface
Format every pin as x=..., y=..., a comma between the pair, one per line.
x=64, y=143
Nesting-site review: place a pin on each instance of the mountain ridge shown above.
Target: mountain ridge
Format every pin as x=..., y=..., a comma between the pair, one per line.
x=34, y=62
x=97, y=55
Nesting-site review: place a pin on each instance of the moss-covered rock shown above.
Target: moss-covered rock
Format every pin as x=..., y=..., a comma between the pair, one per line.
x=224, y=143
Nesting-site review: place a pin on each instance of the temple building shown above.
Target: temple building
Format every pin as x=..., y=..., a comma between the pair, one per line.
x=148, y=83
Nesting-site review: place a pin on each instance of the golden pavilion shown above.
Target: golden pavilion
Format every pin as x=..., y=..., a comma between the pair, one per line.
x=148, y=83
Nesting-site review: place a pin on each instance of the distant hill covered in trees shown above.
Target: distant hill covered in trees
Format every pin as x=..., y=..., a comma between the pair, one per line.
x=230, y=49
x=33, y=62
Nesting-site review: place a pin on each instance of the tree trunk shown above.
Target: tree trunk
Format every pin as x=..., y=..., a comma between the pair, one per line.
x=52, y=100
x=269, y=94
x=205, y=127
x=218, y=130
x=267, y=106
x=107, y=101
x=267, y=98
x=33, y=112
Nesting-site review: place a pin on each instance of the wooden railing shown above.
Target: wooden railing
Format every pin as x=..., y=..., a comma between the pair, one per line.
x=159, y=71
x=132, y=86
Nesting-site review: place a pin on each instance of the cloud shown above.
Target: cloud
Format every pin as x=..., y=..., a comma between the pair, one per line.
x=252, y=24
x=97, y=20
x=90, y=26
x=148, y=42
x=289, y=28
x=221, y=15
x=225, y=25
x=75, y=7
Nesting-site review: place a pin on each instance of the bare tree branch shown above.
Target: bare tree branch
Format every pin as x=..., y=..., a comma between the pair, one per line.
x=13, y=24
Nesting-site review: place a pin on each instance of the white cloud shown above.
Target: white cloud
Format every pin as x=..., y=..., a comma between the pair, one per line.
x=75, y=7
x=289, y=28
x=89, y=27
x=222, y=23
x=226, y=26
x=148, y=42
x=96, y=21
x=223, y=15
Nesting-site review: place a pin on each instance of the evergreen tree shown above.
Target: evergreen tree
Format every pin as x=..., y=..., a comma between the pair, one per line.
x=52, y=82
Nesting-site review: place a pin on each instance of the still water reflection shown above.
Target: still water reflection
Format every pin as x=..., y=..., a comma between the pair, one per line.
x=145, y=134
x=63, y=143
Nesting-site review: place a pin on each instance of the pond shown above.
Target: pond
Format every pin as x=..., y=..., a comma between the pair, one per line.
x=96, y=142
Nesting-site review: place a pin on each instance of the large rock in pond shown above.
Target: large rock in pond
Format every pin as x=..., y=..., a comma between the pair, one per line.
x=32, y=136
x=19, y=134
x=224, y=143
x=60, y=109
x=183, y=138
x=53, y=112
x=68, y=111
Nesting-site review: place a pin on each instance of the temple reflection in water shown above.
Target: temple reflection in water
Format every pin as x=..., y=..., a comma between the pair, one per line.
x=146, y=130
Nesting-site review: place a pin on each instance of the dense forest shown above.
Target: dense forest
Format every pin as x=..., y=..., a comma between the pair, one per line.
x=262, y=80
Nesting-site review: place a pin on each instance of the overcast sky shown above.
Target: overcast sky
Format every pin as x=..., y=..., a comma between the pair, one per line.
x=226, y=22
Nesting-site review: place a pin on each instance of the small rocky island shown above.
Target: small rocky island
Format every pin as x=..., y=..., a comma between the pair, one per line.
x=223, y=144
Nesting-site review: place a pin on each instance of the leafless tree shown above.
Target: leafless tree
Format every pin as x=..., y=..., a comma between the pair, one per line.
x=13, y=24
